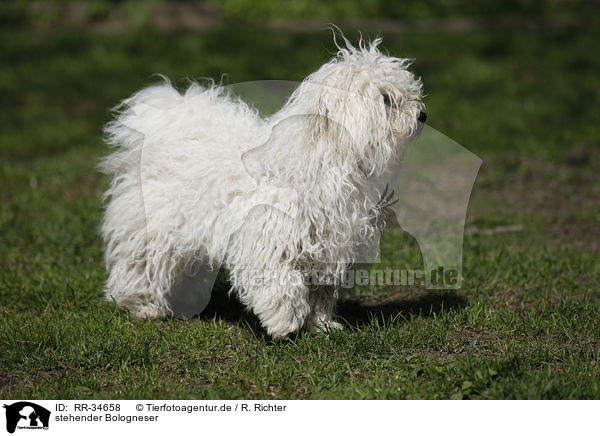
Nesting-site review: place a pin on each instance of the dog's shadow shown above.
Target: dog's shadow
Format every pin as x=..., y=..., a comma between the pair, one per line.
x=225, y=306
x=359, y=311
x=353, y=311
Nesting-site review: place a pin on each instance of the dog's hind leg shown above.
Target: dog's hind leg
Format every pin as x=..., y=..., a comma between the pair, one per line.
x=131, y=282
x=129, y=287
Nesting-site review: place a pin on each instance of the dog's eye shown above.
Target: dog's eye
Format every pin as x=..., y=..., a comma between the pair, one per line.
x=387, y=100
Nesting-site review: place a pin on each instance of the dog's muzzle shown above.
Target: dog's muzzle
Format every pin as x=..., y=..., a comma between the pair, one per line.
x=422, y=117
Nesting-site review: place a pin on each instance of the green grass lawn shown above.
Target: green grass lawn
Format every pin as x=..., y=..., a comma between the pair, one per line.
x=526, y=323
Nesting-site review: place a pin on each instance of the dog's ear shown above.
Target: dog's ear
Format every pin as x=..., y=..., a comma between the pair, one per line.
x=319, y=126
x=322, y=124
x=331, y=115
x=316, y=120
x=346, y=116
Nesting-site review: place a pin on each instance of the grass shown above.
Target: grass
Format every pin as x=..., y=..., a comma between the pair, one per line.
x=526, y=323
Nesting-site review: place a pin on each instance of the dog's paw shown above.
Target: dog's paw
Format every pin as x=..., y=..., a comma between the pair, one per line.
x=281, y=335
x=282, y=328
x=287, y=320
x=323, y=326
x=148, y=311
x=138, y=304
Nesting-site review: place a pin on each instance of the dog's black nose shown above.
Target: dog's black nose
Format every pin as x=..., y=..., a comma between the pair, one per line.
x=422, y=116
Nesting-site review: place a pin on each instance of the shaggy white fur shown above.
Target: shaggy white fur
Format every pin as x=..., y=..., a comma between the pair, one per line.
x=187, y=169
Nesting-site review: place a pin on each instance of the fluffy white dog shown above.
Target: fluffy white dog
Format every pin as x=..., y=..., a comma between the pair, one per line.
x=187, y=169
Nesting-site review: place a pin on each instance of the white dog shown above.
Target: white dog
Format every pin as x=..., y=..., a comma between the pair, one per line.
x=331, y=143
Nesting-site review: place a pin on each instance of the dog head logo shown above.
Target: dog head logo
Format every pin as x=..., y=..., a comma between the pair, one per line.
x=26, y=415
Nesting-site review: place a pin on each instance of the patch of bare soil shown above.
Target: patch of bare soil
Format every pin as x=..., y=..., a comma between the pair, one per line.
x=7, y=380
x=561, y=200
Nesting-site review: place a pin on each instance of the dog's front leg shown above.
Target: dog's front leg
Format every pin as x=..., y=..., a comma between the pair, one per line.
x=322, y=302
x=279, y=298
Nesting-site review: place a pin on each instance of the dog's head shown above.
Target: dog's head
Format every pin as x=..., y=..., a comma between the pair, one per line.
x=365, y=96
